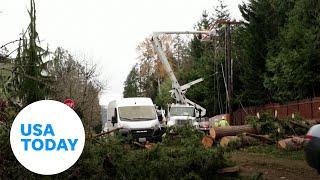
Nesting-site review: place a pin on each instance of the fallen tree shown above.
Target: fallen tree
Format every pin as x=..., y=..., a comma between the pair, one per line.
x=263, y=138
x=219, y=132
x=300, y=124
x=106, y=133
x=294, y=143
x=238, y=141
x=207, y=141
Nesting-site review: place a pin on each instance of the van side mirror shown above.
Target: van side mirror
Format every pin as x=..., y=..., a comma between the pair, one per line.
x=114, y=120
x=160, y=118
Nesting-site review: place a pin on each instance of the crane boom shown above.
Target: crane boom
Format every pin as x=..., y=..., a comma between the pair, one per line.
x=177, y=91
x=178, y=95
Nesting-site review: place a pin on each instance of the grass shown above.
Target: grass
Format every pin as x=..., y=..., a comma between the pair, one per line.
x=272, y=162
x=272, y=150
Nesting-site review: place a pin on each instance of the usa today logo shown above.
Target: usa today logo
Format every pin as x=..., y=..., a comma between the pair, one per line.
x=47, y=137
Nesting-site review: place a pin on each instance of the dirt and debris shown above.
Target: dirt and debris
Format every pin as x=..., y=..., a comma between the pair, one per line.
x=268, y=162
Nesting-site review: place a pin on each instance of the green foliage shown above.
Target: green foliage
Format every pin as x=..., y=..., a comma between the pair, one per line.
x=263, y=20
x=272, y=150
x=293, y=69
x=266, y=124
x=164, y=97
x=207, y=62
x=27, y=83
x=279, y=51
x=131, y=86
x=113, y=158
x=10, y=168
x=276, y=128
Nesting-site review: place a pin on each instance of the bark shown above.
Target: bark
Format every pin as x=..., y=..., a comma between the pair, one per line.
x=238, y=141
x=212, y=133
x=299, y=124
x=219, y=132
x=147, y=145
x=295, y=143
x=263, y=138
x=227, y=140
x=106, y=133
x=207, y=141
x=233, y=169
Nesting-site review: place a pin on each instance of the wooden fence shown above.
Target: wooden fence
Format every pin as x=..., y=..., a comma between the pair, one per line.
x=308, y=109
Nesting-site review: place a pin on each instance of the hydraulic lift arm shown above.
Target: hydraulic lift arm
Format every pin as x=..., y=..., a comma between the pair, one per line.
x=178, y=92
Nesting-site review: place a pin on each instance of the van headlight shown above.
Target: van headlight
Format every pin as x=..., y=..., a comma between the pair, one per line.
x=195, y=124
x=123, y=126
x=156, y=126
x=170, y=123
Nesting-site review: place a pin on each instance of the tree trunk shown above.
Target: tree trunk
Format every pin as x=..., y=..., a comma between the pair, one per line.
x=300, y=124
x=233, y=169
x=295, y=143
x=219, y=132
x=263, y=138
x=227, y=140
x=106, y=133
x=237, y=141
x=212, y=133
x=207, y=141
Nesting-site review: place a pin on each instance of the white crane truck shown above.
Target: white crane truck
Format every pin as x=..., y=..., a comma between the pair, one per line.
x=184, y=111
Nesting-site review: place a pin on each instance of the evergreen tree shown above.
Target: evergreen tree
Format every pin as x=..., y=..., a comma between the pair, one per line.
x=263, y=20
x=164, y=97
x=294, y=62
x=207, y=59
x=30, y=84
x=131, y=86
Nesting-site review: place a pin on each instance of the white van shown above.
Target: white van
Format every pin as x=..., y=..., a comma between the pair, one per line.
x=136, y=116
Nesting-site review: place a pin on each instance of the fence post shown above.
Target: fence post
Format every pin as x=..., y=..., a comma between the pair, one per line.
x=311, y=104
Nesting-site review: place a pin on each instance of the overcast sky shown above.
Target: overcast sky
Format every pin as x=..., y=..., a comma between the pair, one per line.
x=105, y=31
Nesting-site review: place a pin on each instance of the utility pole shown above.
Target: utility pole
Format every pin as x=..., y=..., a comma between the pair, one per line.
x=228, y=63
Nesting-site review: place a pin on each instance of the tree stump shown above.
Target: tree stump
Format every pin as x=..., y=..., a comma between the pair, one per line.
x=207, y=141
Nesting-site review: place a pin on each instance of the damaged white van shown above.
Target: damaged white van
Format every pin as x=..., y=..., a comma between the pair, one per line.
x=136, y=116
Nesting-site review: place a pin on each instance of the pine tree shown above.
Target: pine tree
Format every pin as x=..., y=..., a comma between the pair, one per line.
x=131, y=86
x=263, y=20
x=30, y=84
x=207, y=59
x=294, y=62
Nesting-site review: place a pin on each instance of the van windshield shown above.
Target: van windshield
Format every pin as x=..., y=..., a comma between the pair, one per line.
x=182, y=111
x=137, y=113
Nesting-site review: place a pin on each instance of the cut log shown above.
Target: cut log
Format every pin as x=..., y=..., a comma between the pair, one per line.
x=313, y=122
x=263, y=138
x=138, y=144
x=212, y=133
x=299, y=124
x=295, y=143
x=220, y=132
x=237, y=141
x=106, y=133
x=148, y=145
x=227, y=140
x=248, y=141
x=207, y=141
x=233, y=169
